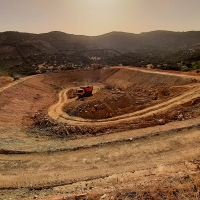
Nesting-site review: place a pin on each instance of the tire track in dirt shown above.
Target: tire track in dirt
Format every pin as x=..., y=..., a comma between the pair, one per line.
x=107, y=163
x=65, y=168
x=58, y=114
x=56, y=111
x=21, y=80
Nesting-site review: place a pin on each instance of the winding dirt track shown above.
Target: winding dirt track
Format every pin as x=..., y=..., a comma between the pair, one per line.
x=14, y=83
x=115, y=161
x=56, y=111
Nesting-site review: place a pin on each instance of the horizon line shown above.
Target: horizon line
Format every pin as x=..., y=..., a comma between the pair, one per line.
x=101, y=34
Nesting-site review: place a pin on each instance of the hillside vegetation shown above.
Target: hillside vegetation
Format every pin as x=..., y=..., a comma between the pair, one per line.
x=22, y=53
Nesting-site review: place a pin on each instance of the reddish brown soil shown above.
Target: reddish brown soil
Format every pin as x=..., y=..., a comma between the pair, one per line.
x=111, y=164
x=111, y=102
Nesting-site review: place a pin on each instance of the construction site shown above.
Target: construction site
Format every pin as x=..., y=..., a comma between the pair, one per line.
x=135, y=136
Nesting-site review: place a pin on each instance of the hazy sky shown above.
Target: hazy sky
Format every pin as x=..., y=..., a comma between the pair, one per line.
x=96, y=17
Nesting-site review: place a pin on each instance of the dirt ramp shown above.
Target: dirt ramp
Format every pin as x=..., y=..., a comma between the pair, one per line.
x=126, y=78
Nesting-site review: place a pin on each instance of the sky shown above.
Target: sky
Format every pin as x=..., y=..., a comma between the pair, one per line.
x=97, y=17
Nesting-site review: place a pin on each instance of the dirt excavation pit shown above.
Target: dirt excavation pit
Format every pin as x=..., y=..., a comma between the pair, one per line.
x=111, y=101
x=122, y=100
x=56, y=146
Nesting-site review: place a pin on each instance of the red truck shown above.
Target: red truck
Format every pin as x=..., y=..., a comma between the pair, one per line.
x=84, y=91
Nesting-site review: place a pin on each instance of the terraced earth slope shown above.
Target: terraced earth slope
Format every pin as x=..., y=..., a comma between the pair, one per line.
x=139, y=130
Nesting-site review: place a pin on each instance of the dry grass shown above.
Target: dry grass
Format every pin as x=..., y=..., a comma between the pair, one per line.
x=187, y=188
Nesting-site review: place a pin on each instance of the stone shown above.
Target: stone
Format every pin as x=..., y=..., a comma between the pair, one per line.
x=73, y=129
x=161, y=122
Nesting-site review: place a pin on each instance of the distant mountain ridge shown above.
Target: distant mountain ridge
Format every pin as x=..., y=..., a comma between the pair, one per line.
x=120, y=41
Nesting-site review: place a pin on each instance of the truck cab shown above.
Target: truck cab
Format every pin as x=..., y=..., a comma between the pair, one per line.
x=84, y=91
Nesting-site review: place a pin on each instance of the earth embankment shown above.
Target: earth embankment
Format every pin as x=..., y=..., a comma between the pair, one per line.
x=138, y=150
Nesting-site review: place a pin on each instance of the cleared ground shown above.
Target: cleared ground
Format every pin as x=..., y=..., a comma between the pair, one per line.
x=47, y=153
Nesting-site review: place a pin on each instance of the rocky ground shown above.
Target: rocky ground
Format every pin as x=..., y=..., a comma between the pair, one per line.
x=139, y=138
x=110, y=102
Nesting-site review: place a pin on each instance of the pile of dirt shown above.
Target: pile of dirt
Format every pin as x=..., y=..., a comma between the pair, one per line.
x=55, y=129
x=71, y=94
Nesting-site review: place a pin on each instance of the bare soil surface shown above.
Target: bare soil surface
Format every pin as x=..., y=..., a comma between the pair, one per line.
x=139, y=130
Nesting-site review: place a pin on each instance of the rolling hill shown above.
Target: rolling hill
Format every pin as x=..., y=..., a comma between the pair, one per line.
x=19, y=49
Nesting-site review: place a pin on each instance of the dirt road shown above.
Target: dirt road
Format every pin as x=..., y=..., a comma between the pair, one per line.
x=56, y=111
